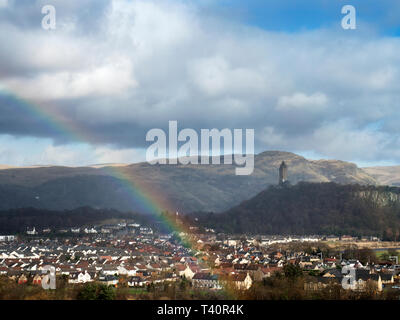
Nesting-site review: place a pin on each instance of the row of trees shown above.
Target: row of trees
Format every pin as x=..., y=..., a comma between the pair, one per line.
x=289, y=284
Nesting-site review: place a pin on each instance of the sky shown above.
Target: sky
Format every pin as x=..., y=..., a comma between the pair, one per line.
x=89, y=91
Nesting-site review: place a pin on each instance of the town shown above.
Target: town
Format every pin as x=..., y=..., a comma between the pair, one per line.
x=136, y=262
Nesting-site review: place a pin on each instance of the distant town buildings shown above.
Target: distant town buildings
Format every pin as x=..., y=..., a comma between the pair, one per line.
x=117, y=229
x=151, y=258
x=138, y=256
x=7, y=238
x=32, y=232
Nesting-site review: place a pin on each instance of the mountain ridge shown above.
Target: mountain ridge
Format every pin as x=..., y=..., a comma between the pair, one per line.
x=385, y=175
x=187, y=187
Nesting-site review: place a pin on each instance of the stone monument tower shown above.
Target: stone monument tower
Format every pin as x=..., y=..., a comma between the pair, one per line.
x=283, y=173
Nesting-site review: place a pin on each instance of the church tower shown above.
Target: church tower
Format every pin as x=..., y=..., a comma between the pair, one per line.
x=283, y=173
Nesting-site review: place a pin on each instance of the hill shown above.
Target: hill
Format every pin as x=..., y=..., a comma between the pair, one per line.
x=389, y=175
x=187, y=188
x=314, y=208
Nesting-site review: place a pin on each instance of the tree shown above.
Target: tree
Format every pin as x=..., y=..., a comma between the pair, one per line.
x=366, y=256
x=105, y=293
x=292, y=271
x=184, y=284
x=88, y=292
x=94, y=291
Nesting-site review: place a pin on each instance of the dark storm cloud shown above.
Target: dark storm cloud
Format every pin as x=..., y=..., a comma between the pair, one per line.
x=18, y=118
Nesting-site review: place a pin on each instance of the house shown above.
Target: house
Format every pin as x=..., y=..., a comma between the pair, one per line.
x=348, y=238
x=321, y=282
x=278, y=255
x=384, y=278
x=80, y=277
x=241, y=281
x=110, y=269
x=253, y=270
x=37, y=279
x=7, y=238
x=331, y=262
x=91, y=230
x=333, y=273
x=387, y=278
x=206, y=280
x=332, y=238
x=305, y=262
x=363, y=277
x=269, y=271
x=32, y=232
x=136, y=281
x=109, y=280
x=190, y=271
x=3, y=270
x=22, y=279
x=180, y=269
x=127, y=270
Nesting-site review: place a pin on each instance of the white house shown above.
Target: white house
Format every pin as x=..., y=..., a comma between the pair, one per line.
x=127, y=270
x=7, y=238
x=136, y=282
x=189, y=272
x=91, y=230
x=32, y=232
x=79, y=277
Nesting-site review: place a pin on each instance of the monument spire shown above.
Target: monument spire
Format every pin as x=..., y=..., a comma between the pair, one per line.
x=283, y=173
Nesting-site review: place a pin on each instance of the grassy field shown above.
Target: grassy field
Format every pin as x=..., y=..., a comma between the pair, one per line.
x=382, y=253
x=363, y=244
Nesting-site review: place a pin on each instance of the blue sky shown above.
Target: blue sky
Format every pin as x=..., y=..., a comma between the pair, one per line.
x=115, y=69
x=299, y=15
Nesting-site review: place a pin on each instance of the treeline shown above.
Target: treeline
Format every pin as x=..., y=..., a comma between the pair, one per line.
x=18, y=220
x=314, y=208
x=288, y=284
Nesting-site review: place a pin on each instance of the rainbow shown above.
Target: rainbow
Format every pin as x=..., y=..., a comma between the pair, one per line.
x=143, y=194
x=64, y=126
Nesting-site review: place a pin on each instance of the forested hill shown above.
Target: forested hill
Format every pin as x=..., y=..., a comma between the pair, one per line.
x=314, y=208
x=18, y=220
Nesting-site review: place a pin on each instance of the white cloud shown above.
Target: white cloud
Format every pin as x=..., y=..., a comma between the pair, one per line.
x=109, y=79
x=152, y=61
x=44, y=152
x=338, y=140
x=270, y=137
x=302, y=101
x=345, y=141
x=110, y=155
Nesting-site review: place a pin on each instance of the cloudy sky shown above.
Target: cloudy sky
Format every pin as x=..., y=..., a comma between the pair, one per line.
x=89, y=91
